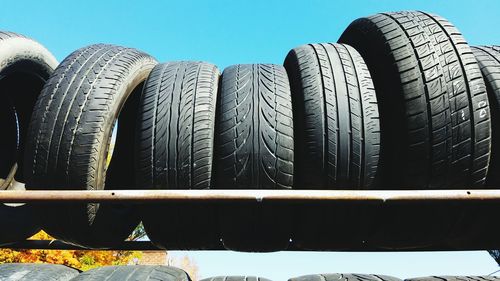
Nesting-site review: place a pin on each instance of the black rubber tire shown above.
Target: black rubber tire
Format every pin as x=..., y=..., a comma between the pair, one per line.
x=473, y=221
x=433, y=104
x=70, y=136
x=175, y=139
x=36, y=272
x=254, y=150
x=455, y=278
x=434, y=116
x=337, y=138
x=134, y=272
x=235, y=278
x=344, y=277
x=25, y=65
x=336, y=122
x=488, y=58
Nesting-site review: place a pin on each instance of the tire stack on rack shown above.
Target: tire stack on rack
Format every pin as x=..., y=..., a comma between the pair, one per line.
x=43, y=272
x=400, y=102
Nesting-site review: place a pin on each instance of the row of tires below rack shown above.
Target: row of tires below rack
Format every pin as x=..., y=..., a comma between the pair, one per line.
x=44, y=272
x=401, y=102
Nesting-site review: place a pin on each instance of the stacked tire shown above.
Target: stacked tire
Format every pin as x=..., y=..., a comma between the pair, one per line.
x=25, y=66
x=70, y=135
x=374, y=277
x=469, y=228
x=338, y=139
x=55, y=272
x=434, y=108
x=42, y=272
x=434, y=116
x=175, y=148
x=255, y=150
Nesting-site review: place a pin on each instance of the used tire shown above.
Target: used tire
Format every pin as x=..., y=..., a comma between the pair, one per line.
x=254, y=150
x=70, y=135
x=337, y=131
x=488, y=58
x=455, y=278
x=434, y=116
x=235, y=278
x=25, y=65
x=133, y=272
x=433, y=104
x=474, y=220
x=36, y=272
x=344, y=277
x=337, y=138
x=175, y=139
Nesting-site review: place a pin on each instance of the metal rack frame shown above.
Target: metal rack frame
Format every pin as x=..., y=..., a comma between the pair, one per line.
x=381, y=197
x=147, y=196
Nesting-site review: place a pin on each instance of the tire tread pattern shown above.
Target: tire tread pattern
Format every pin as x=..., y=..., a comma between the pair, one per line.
x=344, y=277
x=254, y=134
x=444, y=103
x=135, y=272
x=488, y=58
x=177, y=126
x=336, y=117
x=35, y=272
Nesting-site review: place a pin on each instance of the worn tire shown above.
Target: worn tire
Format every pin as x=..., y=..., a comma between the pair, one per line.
x=25, y=65
x=434, y=117
x=472, y=224
x=70, y=135
x=336, y=120
x=337, y=138
x=254, y=150
x=133, y=272
x=36, y=272
x=174, y=150
x=488, y=58
x=235, y=278
x=455, y=278
x=433, y=104
x=344, y=277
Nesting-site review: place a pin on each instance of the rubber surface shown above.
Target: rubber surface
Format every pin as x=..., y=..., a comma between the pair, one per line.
x=235, y=278
x=254, y=128
x=36, y=272
x=133, y=272
x=254, y=150
x=337, y=136
x=433, y=104
x=435, y=121
x=470, y=229
x=488, y=58
x=344, y=277
x=336, y=120
x=25, y=65
x=175, y=150
x=70, y=135
x=455, y=278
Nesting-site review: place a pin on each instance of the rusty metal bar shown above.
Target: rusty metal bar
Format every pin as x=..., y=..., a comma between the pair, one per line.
x=375, y=196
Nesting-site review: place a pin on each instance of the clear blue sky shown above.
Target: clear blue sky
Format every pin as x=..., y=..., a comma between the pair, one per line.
x=228, y=32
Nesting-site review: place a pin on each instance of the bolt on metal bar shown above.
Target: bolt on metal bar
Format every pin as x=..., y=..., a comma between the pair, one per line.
x=380, y=196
